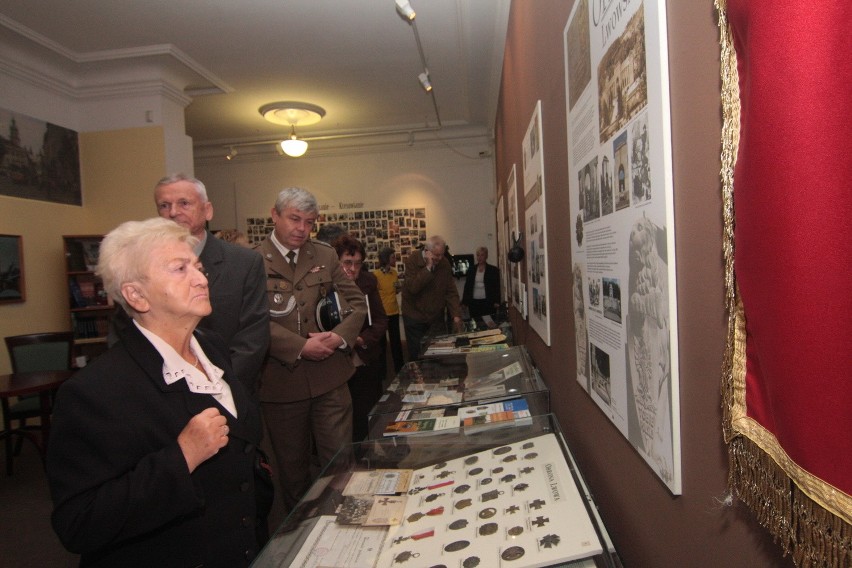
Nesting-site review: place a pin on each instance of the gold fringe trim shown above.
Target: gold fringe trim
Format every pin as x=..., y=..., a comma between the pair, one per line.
x=808, y=517
x=815, y=537
x=730, y=145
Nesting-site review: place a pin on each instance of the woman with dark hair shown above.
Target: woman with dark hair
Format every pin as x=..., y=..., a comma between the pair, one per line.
x=365, y=385
x=389, y=285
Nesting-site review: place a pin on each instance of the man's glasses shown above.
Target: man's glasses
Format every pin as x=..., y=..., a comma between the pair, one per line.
x=352, y=263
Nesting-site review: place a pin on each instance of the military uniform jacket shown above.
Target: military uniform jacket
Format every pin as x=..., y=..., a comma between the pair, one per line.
x=292, y=297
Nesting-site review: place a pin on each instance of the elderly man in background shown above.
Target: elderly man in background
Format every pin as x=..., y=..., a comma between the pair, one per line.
x=235, y=274
x=303, y=391
x=429, y=288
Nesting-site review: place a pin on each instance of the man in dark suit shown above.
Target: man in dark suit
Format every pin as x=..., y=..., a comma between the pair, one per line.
x=235, y=275
x=303, y=392
x=482, y=286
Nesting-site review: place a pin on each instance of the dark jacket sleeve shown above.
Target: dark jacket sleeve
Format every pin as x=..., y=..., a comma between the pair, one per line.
x=100, y=497
x=372, y=334
x=250, y=343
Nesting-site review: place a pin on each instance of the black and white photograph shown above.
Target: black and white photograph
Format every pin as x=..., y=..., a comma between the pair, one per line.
x=12, y=287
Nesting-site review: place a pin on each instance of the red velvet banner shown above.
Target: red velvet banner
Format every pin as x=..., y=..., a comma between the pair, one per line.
x=792, y=241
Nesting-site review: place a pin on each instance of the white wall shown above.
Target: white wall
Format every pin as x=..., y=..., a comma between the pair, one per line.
x=457, y=191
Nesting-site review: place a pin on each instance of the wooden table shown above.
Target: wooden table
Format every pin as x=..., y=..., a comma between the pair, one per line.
x=41, y=383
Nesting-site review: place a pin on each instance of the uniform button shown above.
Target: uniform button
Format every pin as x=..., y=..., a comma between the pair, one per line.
x=298, y=287
x=245, y=486
x=302, y=303
x=245, y=521
x=249, y=554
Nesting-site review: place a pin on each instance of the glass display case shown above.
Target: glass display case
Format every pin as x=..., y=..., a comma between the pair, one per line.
x=475, y=339
x=496, y=498
x=438, y=387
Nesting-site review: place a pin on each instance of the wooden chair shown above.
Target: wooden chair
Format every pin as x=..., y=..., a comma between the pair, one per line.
x=33, y=352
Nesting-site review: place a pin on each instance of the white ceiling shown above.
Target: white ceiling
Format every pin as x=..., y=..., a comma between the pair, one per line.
x=358, y=59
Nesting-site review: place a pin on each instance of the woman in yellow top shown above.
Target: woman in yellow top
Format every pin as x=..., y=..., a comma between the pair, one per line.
x=389, y=285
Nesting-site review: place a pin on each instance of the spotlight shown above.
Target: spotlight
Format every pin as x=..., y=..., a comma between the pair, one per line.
x=424, y=80
x=232, y=154
x=404, y=9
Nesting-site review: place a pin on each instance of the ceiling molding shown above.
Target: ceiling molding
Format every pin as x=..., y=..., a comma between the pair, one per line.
x=182, y=69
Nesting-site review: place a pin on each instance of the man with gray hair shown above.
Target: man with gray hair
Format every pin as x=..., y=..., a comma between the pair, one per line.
x=235, y=276
x=315, y=316
x=428, y=289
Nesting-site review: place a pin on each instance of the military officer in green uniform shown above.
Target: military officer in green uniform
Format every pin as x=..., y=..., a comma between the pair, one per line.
x=303, y=391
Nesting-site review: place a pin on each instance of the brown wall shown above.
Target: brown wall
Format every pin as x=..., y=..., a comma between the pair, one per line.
x=648, y=525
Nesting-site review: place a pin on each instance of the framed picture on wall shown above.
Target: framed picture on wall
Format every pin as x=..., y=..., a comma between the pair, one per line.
x=12, y=287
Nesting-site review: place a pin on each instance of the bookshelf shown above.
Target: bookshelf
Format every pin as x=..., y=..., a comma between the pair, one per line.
x=89, y=307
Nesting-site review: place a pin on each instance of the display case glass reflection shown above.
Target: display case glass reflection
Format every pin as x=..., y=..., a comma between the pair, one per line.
x=496, y=498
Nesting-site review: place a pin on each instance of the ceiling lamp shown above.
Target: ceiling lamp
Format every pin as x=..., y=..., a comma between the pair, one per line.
x=294, y=147
x=292, y=113
x=403, y=7
x=232, y=154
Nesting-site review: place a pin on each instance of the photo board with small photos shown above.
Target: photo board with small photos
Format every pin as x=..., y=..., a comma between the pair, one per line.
x=403, y=230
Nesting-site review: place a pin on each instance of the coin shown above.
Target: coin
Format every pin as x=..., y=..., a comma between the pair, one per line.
x=464, y=503
x=531, y=456
x=512, y=553
x=470, y=562
x=471, y=460
x=461, y=488
x=515, y=531
x=528, y=445
x=459, y=524
x=502, y=450
x=485, y=481
x=488, y=529
x=457, y=545
x=475, y=471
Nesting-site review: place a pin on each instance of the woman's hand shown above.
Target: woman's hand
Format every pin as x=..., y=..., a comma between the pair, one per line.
x=204, y=435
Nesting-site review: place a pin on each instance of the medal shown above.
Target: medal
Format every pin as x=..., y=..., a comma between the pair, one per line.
x=488, y=529
x=512, y=553
x=457, y=545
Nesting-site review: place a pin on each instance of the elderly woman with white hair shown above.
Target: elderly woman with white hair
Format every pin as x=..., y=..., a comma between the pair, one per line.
x=153, y=456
